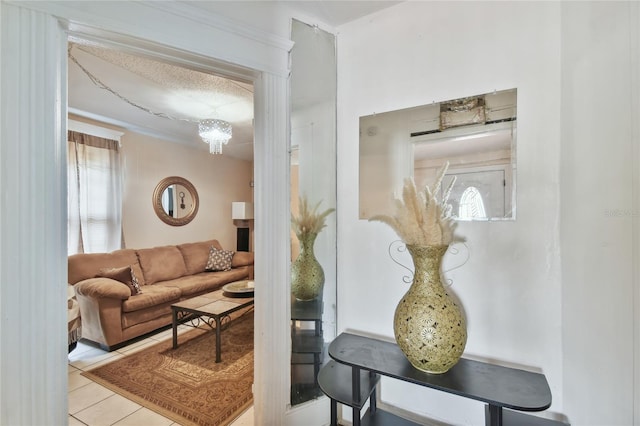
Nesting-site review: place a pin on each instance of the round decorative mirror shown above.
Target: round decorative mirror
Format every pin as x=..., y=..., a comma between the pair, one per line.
x=175, y=201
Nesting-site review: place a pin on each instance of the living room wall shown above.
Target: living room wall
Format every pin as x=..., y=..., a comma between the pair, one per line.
x=219, y=180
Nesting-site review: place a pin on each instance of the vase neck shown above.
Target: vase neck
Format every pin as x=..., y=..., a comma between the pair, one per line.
x=427, y=261
x=307, y=240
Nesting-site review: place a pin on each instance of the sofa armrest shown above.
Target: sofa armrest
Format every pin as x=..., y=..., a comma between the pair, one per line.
x=242, y=258
x=103, y=288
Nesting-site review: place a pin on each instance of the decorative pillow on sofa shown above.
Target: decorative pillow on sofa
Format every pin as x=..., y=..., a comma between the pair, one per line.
x=125, y=275
x=219, y=260
x=136, y=271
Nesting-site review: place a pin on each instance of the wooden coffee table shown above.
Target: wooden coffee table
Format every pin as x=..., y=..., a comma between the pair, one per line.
x=210, y=309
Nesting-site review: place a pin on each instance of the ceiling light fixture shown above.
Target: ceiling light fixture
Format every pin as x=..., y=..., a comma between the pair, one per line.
x=216, y=133
x=212, y=131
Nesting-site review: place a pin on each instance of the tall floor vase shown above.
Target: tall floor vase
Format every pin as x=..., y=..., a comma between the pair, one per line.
x=429, y=326
x=307, y=275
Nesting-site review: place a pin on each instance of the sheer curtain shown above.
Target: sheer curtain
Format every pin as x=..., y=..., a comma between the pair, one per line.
x=94, y=194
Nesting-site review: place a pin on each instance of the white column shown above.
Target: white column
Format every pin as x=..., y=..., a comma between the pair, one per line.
x=33, y=350
x=634, y=46
x=272, y=310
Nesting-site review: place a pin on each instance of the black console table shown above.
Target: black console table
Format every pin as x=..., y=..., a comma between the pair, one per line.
x=361, y=360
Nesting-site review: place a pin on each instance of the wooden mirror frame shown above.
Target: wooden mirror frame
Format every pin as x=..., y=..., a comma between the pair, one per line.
x=157, y=201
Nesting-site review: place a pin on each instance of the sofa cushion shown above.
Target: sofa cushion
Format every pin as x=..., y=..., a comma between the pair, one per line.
x=153, y=295
x=86, y=265
x=161, y=263
x=219, y=260
x=141, y=318
x=196, y=255
x=242, y=258
x=124, y=274
x=205, y=282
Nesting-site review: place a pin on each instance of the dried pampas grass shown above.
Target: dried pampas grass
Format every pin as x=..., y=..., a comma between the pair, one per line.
x=309, y=220
x=421, y=219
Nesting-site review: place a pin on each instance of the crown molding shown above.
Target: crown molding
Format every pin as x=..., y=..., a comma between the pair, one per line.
x=205, y=17
x=93, y=130
x=245, y=48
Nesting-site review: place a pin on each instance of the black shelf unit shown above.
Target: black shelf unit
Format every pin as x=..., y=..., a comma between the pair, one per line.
x=359, y=362
x=308, y=350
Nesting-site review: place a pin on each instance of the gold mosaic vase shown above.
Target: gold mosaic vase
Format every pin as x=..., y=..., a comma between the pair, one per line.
x=307, y=276
x=429, y=326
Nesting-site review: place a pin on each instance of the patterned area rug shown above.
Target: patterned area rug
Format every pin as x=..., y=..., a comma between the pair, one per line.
x=185, y=384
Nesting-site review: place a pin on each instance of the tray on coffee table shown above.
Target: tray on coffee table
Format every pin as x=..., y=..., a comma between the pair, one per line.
x=240, y=288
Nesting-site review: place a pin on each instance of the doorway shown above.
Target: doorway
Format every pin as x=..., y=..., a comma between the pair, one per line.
x=34, y=89
x=108, y=77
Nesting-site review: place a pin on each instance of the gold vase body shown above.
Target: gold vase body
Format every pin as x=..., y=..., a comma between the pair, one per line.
x=307, y=275
x=429, y=326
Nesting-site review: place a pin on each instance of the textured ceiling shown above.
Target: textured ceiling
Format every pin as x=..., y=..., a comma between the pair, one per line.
x=195, y=94
x=166, y=101
x=159, y=99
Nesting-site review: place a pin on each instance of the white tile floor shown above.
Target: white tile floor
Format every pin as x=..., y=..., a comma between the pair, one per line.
x=94, y=405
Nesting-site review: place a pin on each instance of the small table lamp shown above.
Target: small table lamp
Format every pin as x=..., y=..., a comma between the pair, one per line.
x=243, y=213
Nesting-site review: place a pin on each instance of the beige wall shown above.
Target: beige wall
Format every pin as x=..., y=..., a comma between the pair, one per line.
x=219, y=180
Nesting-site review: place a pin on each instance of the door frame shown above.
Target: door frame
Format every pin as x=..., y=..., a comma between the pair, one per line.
x=33, y=88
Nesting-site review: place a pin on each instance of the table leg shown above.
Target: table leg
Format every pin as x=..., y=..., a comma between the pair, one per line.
x=174, y=325
x=355, y=383
x=355, y=394
x=218, y=342
x=316, y=368
x=373, y=400
x=334, y=412
x=493, y=415
x=356, y=416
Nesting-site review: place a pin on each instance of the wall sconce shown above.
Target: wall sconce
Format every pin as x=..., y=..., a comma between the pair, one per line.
x=242, y=213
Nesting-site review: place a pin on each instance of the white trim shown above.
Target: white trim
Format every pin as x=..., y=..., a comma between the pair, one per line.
x=93, y=130
x=189, y=31
x=165, y=135
x=272, y=343
x=634, y=18
x=33, y=372
x=196, y=14
x=33, y=389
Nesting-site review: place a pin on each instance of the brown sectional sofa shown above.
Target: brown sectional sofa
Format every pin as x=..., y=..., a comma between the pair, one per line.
x=111, y=315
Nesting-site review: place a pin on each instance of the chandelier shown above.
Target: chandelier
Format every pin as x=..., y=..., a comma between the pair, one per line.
x=216, y=133
x=212, y=131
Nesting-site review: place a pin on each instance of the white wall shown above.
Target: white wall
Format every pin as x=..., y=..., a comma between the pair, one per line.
x=418, y=52
x=598, y=214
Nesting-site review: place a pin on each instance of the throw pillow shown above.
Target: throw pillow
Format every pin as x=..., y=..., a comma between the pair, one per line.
x=135, y=283
x=125, y=275
x=219, y=260
x=137, y=271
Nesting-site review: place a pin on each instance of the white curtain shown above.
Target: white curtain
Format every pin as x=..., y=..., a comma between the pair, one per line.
x=94, y=194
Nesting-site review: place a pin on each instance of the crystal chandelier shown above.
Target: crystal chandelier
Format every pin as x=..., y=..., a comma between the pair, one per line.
x=216, y=133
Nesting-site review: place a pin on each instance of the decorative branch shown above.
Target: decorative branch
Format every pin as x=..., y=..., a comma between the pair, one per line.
x=421, y=219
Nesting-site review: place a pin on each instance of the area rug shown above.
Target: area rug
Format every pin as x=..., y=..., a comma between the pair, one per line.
x=186, y=384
